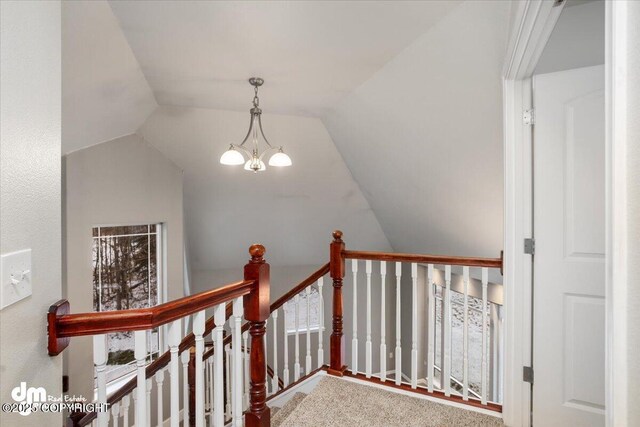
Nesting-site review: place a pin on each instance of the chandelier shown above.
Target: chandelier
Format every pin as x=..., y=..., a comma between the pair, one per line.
x=234, y=155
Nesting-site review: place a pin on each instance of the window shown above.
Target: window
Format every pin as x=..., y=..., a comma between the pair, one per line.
x=314, y=311
x=126, y=261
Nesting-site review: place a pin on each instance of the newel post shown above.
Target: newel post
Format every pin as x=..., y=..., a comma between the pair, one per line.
x=336, y=270
x=256, y=312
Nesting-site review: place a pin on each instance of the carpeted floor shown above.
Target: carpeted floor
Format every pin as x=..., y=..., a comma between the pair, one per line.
x=336, y=402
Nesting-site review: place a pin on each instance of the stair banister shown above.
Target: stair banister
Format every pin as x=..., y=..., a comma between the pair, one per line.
x=251, y=296
x=336, y=271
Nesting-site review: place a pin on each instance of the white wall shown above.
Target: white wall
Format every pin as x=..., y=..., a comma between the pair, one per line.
x=120, y=182
x=30, y=119
x=423, y=136
x=292, y=211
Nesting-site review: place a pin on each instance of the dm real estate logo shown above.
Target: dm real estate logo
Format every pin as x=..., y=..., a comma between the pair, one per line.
x=30, y=396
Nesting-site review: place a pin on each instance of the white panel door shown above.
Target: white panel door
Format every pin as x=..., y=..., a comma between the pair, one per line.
x=569, y=224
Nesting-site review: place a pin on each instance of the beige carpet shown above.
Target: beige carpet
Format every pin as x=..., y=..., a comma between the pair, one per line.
x=337, y=402
x=281, y=413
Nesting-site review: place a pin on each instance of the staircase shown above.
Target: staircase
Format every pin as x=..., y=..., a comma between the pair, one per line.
x=237, y=379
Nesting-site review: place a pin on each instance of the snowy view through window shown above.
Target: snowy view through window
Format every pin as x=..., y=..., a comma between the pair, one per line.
x=457, y=327
x=314, y=311
x=125, y=277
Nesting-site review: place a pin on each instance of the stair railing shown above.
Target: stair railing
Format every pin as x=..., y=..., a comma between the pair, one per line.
x=423, y=269
x=248, y=298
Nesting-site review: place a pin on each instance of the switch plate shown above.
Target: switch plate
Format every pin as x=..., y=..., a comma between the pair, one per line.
x=15, y=277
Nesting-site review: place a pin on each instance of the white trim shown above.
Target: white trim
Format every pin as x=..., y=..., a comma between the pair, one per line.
x=616, y=398
x=306, y=386
x=424, y=397
x=533, y=23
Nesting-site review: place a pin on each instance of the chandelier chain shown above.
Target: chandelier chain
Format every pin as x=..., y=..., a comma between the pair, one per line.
x=256, y=100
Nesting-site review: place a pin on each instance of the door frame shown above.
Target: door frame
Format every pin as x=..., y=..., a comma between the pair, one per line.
x=533, y=22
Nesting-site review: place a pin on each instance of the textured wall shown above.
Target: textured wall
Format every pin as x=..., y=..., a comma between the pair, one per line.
x=30, y=193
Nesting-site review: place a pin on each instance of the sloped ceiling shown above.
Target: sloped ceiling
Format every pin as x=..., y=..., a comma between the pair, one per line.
x=311, y=53
x=104, y=93
x=423, y=136
x=292, y=211
x=391, y=112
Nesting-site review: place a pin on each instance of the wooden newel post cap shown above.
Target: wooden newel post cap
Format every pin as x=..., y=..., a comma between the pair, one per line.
x=257, y=252
x=337, y=236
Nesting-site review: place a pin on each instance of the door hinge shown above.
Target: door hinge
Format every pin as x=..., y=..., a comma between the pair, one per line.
x=527, y=374
x=529, y=117
x=529, y=246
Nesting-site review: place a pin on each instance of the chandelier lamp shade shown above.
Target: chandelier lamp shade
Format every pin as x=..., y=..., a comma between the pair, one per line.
x=236, y=153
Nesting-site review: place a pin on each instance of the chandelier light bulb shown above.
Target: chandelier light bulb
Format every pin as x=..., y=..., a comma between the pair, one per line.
x=231, y=157
x=255, y=165
x=280, y=159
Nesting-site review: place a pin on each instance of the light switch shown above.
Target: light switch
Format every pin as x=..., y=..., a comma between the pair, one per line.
x=15, y=276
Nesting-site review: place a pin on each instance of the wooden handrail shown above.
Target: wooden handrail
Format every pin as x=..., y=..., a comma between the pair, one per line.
x=189, y=340
x=300, y=287
x=161, y=362
x=425, y=259
x=279, y=302
x=71, y=325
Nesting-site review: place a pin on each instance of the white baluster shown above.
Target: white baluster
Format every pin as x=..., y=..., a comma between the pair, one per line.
x=184, y=358
x=485, y=341
x=368, y=349
x=354, y=337
x=307, y=362
x=238, y=365
x=274, y=380
x=398, y=322
x=100, y=363
x=465, y=335
x=431, y=338
x=227, y=352
x=447, y=331
x=149, y=386
x=210, y=387
x=159, y=381
x=126, y=401
x=285, y=371
x=115, y=414
x=414, y=325
x=245, y=337
x=173, y=339
x=206, y=385
x=198, y=331
x=383, y=322
x=140, y=353
x=135, y=399
x=296, y=365
x=321, y=323
x=219, y=313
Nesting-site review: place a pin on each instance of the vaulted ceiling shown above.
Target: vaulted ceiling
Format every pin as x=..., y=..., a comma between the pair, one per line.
x=311, y=54
x=400, y=142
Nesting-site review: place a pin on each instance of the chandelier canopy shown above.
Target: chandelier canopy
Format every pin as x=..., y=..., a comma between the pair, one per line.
x=234, y=155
